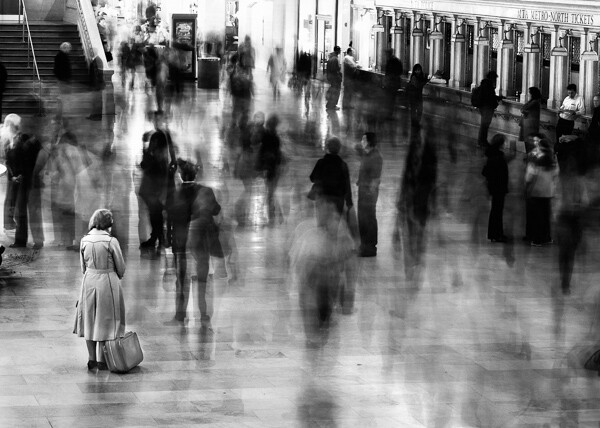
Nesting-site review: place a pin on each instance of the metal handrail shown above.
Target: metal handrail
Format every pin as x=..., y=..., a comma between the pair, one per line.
x=30, y=45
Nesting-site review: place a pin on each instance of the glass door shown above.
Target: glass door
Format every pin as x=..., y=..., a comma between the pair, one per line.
x=324, y=45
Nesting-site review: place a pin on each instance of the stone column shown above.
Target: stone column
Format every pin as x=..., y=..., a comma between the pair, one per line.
x=588, y=73
x=417, y=46
x=379, y=32
x=481, y=53
x=558, y=71
x=508, y=65
x=458, y=43
x=436, y=42
x=398, y=35
x=531, y=63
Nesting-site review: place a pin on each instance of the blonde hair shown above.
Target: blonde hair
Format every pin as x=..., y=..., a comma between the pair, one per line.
x=102, y=219
x=13, y=121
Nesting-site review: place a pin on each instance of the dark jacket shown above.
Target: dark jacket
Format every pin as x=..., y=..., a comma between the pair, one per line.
x=393, y=73
x=369, y=174
x=3, y=78
x=496, y=171
x=62, y=66
x=334, y=70
x=269, y=154
x=332, y=178
x=593, y=135
x=415, y=86
x=489, y=99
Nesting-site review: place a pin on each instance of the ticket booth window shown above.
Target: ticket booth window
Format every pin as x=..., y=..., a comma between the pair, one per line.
x=495, y=44
x=519, y=38
x=469, y=46
x=546, y=50
x=574, y=57
x=447, y=48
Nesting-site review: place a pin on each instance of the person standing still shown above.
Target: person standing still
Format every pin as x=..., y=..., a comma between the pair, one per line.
x=3, y=79
x=62, y=72
x=488, y=103
x=97, y=85
x=571, y=107
x=350, y=69
x=496, y=173
x=369, y=178
x=334, y=77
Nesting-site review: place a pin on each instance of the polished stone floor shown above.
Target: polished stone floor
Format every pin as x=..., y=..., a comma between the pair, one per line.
x=482, y=340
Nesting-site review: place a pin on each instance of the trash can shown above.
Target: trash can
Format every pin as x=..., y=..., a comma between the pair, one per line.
x=208, y=72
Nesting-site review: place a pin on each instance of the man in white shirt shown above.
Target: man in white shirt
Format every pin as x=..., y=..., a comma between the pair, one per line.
x=350, y=67
x=570, y=108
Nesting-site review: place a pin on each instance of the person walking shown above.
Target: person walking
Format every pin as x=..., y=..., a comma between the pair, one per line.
x=487, y=103
x=62, y=72
x=496, y=173
x=276, y=67
x=334, y=77
x=3, y=79
x=540, y=185
x=269, y=162
x=97, y=85
x=530, y=117
x=100, y=314
x=571, y=108
x=369, y=178
x=414, y=90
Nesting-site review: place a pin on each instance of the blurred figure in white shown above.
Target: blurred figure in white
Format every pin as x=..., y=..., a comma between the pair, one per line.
x=277, y=69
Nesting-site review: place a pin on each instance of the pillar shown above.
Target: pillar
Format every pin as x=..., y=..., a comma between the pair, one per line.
x=531, y=64
x=506, y=81
x=380, y=41
x=398, y=35
x=417, y=46
x=588, y=73
x=558, y=71
x=481, y=53
x=458, y=45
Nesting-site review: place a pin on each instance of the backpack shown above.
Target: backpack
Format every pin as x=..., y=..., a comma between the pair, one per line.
x=476, y=96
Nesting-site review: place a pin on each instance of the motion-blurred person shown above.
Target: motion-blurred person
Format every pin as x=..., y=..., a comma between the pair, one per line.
x=350, y=69
x=415, y=203
x=3, y=79
x=21, y=152
x=269, y=162
x=162, y=79
x=486, y=103
x=97, y=85
x=369, y=177
x=540, y=185
x=246, y=56
x=318, y=256
x=276, y=67
x=571, y=108
x=204, y=242
x=125, y=58
x=574, y=202
x=530, y=117
x=334, y=78
x=150, y=60
x=101, y=307
x=242, y=91
x=245, y=171
x=158, y=165
x=593, y=132
x=62, y=72
x=392, y=82
x=303, y=73
x=180, y=211
x=414, y=90
x=495, y=172
x=331, y=183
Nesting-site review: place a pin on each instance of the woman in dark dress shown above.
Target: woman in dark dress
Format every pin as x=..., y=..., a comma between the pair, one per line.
x=496, y=173
x=414, y=90
x=269, y=161
x=530, y=117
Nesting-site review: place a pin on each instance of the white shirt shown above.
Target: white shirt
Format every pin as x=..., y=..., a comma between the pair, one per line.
x=573, y=105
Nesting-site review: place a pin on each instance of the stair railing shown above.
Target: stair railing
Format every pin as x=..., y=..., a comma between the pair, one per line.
x=35, y=72
x=88, y=29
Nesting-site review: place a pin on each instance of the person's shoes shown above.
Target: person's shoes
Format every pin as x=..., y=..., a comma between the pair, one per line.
x=72, y=248
x=38, y=245
x=18, y=245
x=102, y=365
x=368, y=254
x=92, y=365
x=173, y=322
x=499, y=239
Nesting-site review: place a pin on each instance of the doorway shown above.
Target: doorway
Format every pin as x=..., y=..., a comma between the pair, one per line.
x=323, y=45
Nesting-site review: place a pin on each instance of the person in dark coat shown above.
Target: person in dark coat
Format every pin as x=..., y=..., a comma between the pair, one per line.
x=331, y=182
x=62, y=72
x=369, y=177
x=592, y=138
x=530, y=117
x=270, y=160
x=97, y=85
x=414, y=90
x=488, y=103
x=496, y=173
x=3, y=79
x=334, y=78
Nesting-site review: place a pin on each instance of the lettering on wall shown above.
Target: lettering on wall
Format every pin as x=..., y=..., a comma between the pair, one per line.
x=421, y=4
x=556, y=17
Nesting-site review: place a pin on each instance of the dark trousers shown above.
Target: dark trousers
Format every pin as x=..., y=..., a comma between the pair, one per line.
x=570, y=232
x=538, y=214
x=10, y=201
x=28, y=209
x=495, y=223
x=155, y=209
x=333, y=96
x=348, y=95
x=564, y=127
x=96, y=105
x=486, y=120
x=416, y=111
x=367, y=219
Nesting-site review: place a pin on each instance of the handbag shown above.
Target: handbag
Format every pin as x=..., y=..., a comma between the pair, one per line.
x=123, y=353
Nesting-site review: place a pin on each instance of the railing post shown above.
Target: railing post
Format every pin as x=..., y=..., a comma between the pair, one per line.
x=19, y=18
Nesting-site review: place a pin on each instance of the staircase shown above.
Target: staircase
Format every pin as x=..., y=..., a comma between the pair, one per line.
x=22, y=87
